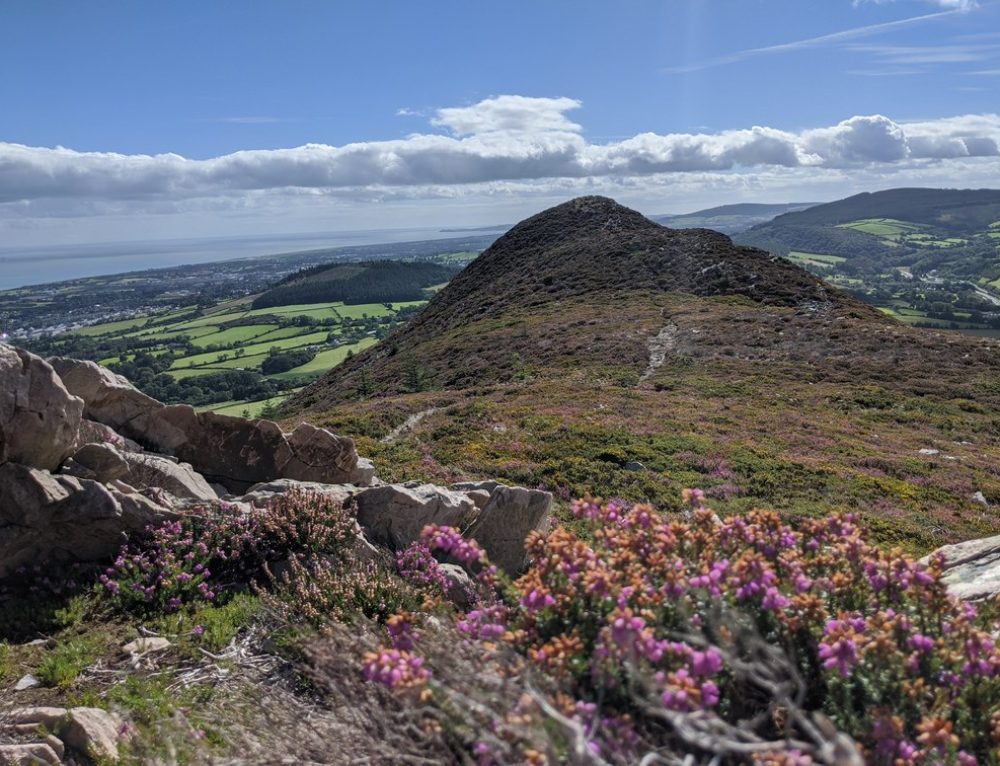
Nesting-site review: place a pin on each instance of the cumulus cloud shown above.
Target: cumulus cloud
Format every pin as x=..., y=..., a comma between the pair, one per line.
x=502, y=139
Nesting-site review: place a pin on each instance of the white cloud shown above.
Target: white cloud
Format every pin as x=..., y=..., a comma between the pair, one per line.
x=499, y=146
x=510, y=114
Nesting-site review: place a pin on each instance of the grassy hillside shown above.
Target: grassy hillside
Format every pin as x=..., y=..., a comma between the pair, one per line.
x=589, y=340
x=357, y=283
x=928, y=256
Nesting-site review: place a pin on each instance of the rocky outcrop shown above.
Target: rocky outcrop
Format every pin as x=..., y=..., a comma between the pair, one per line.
x=106, y=463
x=395, y=514
x=90, y=732
x=126, y=461
x=972, y=569
x=46, y=518
x=39, y=419
x=108, y=398
x=232, y=451
x=502, y=526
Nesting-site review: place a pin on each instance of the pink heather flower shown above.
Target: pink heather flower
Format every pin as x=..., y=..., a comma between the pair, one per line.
x=693, y=497
x=841, y=654
x=709, y=694
x=773, y=600
x=921, y=643
x=198, y=631
x=395, y=668
x=485, y=624
x=450, y=541
x=535, y=601
x=706, y=663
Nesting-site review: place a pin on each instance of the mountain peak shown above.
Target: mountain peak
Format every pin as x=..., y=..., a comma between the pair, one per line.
x=584, y=283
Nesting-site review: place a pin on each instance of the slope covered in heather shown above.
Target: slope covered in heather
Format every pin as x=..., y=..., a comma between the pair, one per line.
x=592, y=350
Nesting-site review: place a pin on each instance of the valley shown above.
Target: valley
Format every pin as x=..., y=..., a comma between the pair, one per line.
x=927, y=257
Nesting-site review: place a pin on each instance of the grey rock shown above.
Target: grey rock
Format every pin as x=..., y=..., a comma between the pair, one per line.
x=972, y=569
x=480, y=497
x=46, y=518
x=26, y=682
x=471, y=486
x=979, y=497
x=106, y=463
x=634, y=465
x=146, y=644
x=28, y=754
x=231, y=451
x=39, y=418
x=395, y=515
x=92, y=731
x=460, y=589
x=503, y=525
x=263, y=493
x=108, y=398
x=928, y=451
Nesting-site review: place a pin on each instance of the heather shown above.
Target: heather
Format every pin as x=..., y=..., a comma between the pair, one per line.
x=744, y=638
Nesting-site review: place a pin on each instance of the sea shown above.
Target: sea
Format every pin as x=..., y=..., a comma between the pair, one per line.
x=20, y=267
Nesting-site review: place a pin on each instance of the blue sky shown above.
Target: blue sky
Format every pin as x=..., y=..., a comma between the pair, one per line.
x=354, y=115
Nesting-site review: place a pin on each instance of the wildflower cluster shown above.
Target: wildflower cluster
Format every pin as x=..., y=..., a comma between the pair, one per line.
x=197, y=557
x=640, y=613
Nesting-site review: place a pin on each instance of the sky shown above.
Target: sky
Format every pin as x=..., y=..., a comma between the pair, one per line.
x=143, y=120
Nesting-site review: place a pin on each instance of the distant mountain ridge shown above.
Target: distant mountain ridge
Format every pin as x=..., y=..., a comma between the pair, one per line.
x=730, y=219
x=356, y=283
x=956, y=210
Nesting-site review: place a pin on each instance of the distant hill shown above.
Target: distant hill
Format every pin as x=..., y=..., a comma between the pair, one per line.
x=593, y=350
x=589, y=250
x=931, y=256
x=958, y=211
x=730, y=219
x=355, y=283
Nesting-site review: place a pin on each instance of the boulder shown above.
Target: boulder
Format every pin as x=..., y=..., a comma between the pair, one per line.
x=231, y=451
x=480, y=497
x=459, y=587
x=90, y=731
x=145, y=644
x=394, y=515
x=39, y=418
x=94, y=732
x=472, y=486
x=92, y=432
x=46, y=518
x=262, y=494
x=28, y=754
x=972, y=569
x=106, y=463
x=26, y=681
x=108, y=398
x=503, y=525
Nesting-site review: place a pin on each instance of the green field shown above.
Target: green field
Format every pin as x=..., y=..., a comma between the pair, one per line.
x=324, y=361
x=111, y=327
x=883, y=227
x=232, y=337
x=815, y=259
x=241, y=334
x=248, y=409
